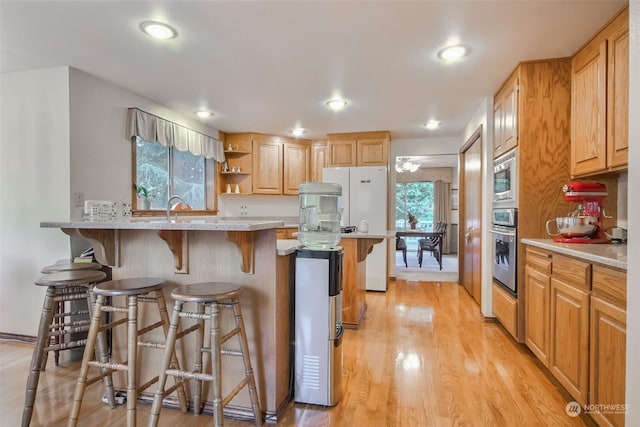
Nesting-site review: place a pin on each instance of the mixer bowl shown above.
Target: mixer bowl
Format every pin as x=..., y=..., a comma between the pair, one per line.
x=574, y=226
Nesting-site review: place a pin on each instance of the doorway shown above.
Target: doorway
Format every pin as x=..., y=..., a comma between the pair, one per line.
x=420, y=184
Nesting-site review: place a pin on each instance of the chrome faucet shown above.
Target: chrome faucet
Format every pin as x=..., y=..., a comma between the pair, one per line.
x=174, y=197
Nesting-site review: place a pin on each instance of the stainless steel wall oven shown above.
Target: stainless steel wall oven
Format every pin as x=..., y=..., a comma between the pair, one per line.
x=505, y=248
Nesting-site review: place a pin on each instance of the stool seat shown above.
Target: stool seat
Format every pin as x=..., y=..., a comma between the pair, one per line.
x=70, y=266
x=130, y=286
x=71, y=278
x=207, y=292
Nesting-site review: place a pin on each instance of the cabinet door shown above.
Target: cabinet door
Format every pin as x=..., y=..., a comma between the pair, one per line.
x=372, y=152
x=608, y=360
x=296, y=166
x=510, y=116
x=569, y=349
x=498, y=139
x=618, y=98
x=536, y=293
x=341, y=153
x=318, y=160
x=588, y=109
x=267, y=166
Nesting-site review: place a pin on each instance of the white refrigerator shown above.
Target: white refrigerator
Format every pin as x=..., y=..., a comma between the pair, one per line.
x=364, y=197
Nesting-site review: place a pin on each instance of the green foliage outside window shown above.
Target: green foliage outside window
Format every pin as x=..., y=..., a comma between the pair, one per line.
x=415, y=198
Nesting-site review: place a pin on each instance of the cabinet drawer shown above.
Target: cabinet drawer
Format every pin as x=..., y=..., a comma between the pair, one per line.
x=539, y=260
x=572, y=271
x=610, y=284
x=505, y=307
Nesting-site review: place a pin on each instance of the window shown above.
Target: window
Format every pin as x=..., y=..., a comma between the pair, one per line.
x=165, y=171
x=417, y=198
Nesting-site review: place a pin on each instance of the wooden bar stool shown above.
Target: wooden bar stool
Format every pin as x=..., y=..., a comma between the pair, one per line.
x=61, y=287
x=135, y=290
x=213, y=295
x=64, y=265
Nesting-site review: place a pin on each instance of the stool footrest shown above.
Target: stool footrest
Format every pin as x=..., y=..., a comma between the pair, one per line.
x=113, y=367
x=231, y=352
x=66, y=345
x=186, y=375
x=70, y=313
x=150, y=328
x=187, y=331
x=226, y=337
x=192, y=315
x=113, y=324
x=235, y=391
x=69, y=328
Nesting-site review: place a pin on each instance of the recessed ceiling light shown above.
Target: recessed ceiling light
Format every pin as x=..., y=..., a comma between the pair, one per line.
x=337, y=104
x=298, y=132
x=158, y=30
x=432, y=124
x=204, y=114
x=453, y=53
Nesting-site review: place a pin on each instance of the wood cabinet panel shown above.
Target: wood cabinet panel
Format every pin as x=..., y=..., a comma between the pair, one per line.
x=572, y=271
x=318, y=160
x=600, y=101
x=267, y=166
x=296, y=166
x=506, y=116
x=372, y=152
x=607, y=361
x=537, y=298
x=569, y=355
x=610, y=284
x=237, y=151
x=505, y=308
x=618, y=97
x=341, y=153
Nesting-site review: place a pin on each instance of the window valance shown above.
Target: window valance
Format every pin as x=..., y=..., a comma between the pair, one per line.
x=152, y=128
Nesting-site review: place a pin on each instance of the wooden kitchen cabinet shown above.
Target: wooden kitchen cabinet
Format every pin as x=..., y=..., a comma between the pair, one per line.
x=267, y=165
x=286, y=233
x=537, y=303
x=280, y=164
x=358, y=149
x=238, y=154
x=318, y=159
x=505, y=308
x=505, y=116
x=608, y=344
x=296, y=160
x=569, y=355
x=600, y=104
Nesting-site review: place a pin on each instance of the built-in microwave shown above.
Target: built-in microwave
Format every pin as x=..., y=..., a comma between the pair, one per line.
x=505, y=180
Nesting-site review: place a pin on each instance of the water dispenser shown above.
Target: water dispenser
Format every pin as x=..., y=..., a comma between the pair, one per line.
x=320, y=210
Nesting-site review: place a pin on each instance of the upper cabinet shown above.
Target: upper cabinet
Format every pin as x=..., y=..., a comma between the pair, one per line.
x=505, y=116
x=318, y=159
x=280, y=164
x=358, y=149
x=600, y=105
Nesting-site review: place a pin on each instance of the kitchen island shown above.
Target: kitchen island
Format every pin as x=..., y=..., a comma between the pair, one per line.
x=196, y=250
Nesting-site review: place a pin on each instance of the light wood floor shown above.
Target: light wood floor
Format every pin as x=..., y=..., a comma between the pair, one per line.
x=424, y=356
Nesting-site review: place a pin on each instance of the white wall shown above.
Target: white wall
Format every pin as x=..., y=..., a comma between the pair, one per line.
x=633, y=273
x=257, y=205
x=63, y=131
x=480, y=119
x=34, y=187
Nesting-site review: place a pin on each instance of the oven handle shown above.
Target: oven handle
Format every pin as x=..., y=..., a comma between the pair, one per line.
x=503, y=232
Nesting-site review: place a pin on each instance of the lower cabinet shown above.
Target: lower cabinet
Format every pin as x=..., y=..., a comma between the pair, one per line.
x=569, y=355
x=575, y=324
x=608, y=345
x=505, y=308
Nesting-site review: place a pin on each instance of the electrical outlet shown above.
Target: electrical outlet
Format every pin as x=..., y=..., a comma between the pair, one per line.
x=78, y=200
x=243, y=210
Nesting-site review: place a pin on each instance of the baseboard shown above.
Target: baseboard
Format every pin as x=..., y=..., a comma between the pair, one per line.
x=28, y=339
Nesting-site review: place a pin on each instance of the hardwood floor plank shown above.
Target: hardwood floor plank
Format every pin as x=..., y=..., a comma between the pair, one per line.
x=424, y=356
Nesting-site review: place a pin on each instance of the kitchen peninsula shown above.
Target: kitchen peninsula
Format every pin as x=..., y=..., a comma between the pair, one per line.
x=200, y=250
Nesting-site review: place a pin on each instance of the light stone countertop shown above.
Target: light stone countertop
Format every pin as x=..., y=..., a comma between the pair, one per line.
x=606, y=254
x=204, y=223
x=287, y=247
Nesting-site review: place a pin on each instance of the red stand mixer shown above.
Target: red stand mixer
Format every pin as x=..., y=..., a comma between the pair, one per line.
x=584, y=225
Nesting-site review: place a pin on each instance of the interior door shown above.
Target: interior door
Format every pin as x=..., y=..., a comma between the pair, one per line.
x=471, y=212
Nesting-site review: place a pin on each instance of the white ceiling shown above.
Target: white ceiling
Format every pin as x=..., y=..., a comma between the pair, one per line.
x=269, y=66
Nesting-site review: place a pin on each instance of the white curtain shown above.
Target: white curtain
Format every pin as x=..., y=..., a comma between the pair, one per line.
x=152, y=128
x=442, y=208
